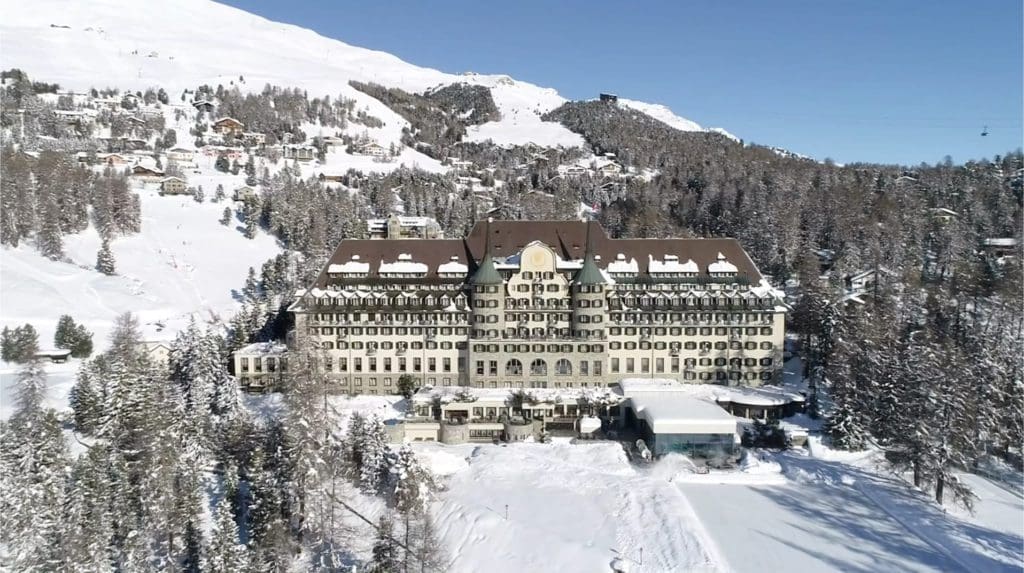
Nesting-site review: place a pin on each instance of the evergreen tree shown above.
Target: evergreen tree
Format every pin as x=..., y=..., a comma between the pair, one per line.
x=374, y=453
x=225, y=219
x=63, y=337
x=105, y=259
x=225, y=554
x=33, y=467
x=385, y=551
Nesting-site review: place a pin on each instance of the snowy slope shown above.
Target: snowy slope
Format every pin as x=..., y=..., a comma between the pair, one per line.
x=114, y=43
x=665, y=115
x=183, y=263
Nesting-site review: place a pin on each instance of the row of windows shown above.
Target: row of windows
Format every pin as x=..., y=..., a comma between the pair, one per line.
x=628, y=365
x=386, y=331
x=386, y=317
x=386, y=364
x=550, y=332
x=691, y=345
x=538, y=367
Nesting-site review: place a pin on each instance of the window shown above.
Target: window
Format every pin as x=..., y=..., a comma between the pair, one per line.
x=514, y=368
x=645, y=364
x=584, y=368
x=446, y=364
x=432, y=364
x=563, y=367
x=538, y=367
x=630, y=365
x=480, y=367
x=659, y=364
x=492, y=368
x=358, y=363
x=615, y=365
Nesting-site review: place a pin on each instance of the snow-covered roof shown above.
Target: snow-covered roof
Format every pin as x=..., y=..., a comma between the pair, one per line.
x=722, y=266
x=353, y=266
x=1001, y=242
x=453, y=266
x=747, y=395
x=668, y=412
x=264, y=348
x=404, y=264
x=621, y=265
x=671, y=264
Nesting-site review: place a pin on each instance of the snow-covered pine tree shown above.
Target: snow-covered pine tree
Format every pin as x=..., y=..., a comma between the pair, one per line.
x=87, y=522
x=225, y=218
x=33, y=469
x=355, y=439
x=410, y=482
x=105, y=259
x=225, y=553
x=63, y=336
x=385, y=551
x=374, y=453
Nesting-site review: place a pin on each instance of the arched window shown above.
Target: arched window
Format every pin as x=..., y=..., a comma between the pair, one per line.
x=563, y=367
x=538, y=367
x=514, y=367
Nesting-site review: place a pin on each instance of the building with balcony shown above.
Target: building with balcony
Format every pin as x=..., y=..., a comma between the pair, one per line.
x=541, y=304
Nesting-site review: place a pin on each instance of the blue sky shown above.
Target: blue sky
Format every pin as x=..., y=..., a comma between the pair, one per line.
x=895, y=82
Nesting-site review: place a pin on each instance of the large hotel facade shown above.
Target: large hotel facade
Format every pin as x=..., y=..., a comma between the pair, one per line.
x=550, y=304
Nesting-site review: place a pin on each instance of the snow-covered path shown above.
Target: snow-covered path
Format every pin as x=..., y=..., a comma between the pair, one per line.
x=835, y=517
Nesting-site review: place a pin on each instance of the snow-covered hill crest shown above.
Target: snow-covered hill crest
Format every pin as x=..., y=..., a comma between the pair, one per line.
x=178, y=45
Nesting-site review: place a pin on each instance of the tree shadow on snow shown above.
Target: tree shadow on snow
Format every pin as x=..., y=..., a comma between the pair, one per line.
x=853, y=508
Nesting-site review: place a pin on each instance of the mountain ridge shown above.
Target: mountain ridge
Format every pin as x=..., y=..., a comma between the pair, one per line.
x=101, y=43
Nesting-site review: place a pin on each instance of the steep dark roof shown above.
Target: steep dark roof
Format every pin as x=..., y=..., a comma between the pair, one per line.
x=567, y=238
x=589, y=273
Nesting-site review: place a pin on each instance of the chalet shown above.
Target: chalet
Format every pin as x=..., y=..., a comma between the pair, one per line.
x=573, y=170
x=173, y=186
x=181, y=155
x=332, y=177
x=158, y=351
x=113, y=159
x=371, y=148
x=943, y=214
x=150, y=112
x=59, y=355
x=609, y=98
x=204, y=105
x=331, y=142
x=145, y=172
x=299, y=152
x=865, y=280
x=254, y=138
x=228, y=127
x=1001, y=247
x=75, y=117
x=244, y=193
x=609, y=168
x=136, y=121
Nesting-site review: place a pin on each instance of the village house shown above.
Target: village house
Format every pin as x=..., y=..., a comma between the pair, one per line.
x=1001, y=247
x=204, y=105
x=260, y=366
x=112, y=159
x=181, y=155
x=299, y=152
x=158, y=351
x=145, y=172
x=174, y=186
x=371, y=148
x=243, y=193
x=398, y=227
x=332, y=143
x=228, y=127
x=253, y=138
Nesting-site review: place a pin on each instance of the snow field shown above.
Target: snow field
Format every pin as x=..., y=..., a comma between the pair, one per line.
x=572, y=507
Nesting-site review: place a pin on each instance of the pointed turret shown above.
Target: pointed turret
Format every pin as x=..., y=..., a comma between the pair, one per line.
x=589, y=273
x=487, y=273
